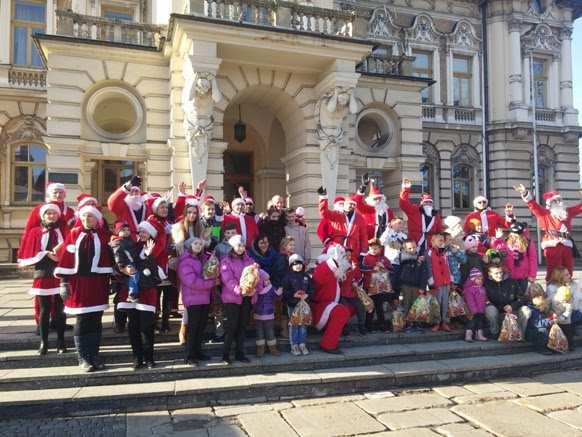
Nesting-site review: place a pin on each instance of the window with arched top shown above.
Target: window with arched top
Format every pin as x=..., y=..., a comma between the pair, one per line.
x=464, y=162
x=28, y=173
x=430, y=171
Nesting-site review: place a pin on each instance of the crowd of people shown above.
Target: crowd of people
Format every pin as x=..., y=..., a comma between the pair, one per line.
x=233, y=268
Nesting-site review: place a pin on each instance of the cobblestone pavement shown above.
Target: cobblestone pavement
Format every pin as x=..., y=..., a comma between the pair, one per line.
x=549, y=404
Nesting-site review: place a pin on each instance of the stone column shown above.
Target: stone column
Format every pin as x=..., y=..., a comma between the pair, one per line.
x=436, y=75
x=50, y=17
x=515, y=74
x=566, y=96
x=554, y=83
x=5, y=31
x=450, y=91
x=476, y=69
x=526, y=81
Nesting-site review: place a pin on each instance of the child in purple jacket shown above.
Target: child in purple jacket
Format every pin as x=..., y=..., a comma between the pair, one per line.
x=195, y=296
x=476, y=299
x=264, y=308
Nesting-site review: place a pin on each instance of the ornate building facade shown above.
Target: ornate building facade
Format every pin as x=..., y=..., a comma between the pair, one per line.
x=283, y=96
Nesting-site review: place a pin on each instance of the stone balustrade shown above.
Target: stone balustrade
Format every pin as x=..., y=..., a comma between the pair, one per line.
x=104, y=29
x=451, y=114
x=545, y=115
x=385, y=65
x=28, y=78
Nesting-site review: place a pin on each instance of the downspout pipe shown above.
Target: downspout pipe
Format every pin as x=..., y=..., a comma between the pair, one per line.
x=485, y=98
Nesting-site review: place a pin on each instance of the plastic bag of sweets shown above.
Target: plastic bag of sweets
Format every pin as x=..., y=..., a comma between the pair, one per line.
x=398, y=319
x=380, y=283
x=364, y=298
x=420, y=310
x=457, y=306
x=557, y=340
x=509, y=329
x=249, y=279
x=210, y=269
x=301, y=315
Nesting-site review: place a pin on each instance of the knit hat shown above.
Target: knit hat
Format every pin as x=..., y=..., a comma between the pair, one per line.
x=149, y=228
x=451, y=221
x=119, y=226
x=236, y=240
x=564, y=294
x=190, y=241
x=300, y=211
x=87, y=209
x=49, y=207
x=475, y=273
x=84, y=199
x=471, y=241
x=295, y=259
x=517, y=227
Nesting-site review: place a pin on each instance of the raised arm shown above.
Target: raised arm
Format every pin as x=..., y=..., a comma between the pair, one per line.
x=404, y=202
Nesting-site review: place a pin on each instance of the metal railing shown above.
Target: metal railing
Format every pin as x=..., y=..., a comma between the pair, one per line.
x=29, y=78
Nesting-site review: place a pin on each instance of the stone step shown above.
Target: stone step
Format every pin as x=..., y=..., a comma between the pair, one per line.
x=204, y=390
x=68, y=374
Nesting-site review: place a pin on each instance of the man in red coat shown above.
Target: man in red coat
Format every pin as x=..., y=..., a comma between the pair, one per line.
x=423, y=220
x=127, y=203
x=373, y=208
x=323, y=228
x=329, y=315
x=245, y=224
x=347, y=228
x=484, y=216
x=555, y=220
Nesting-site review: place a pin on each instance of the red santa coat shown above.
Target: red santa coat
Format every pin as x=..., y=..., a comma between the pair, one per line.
x=323, y=231
x=159, y=252
x=352, y=234
x=123, y=213
x=553, y=227
x=370, y=215
x=418, y=229
x=66, y=220
x=34, y=248
x=346, y=286
x=489, y=219
x=441, y=274
x=89, y=293
x=245, y=226
x=327, y=292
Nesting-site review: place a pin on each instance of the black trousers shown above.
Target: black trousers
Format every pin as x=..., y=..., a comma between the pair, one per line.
x=45, y=306
x=168, y=294
x=89, y=323
x=378, y=300
x=476, y=323
x=87, y=336
x=140, y=327
x=120, y=317
x=236, y=319
x=197, y=320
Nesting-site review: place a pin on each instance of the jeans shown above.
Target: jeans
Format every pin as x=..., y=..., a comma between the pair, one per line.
x=495, y=318
x=297, y=334
x=140, y=327
x=358, y=305
x=265, y=331
x=442, y=297
x=197, y=320
x=236, y=319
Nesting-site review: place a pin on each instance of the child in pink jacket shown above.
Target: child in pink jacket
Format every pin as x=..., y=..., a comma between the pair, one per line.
x=476, y=298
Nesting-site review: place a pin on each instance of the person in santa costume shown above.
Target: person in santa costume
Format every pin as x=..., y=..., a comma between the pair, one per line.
x=38, y=248
x=423, y=220
x=128, y=204
x=329, y=315
x=324, y=231
x=85, y=263
x=85, y=199
x=183, y=199
x=555, y=220
x=142, y=314
x=484, y=220
x=373, y=208
x=347, y=227
x=246, y=226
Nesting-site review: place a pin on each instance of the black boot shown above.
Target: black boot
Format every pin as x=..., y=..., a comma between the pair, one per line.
x=43, y=348
x=83, y=353
x=93, y=340
x=61, y=346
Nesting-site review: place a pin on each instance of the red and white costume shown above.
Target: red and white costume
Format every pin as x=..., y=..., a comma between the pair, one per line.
x=420, y=227
x=245, y=226
x=489, y=220
x=66, y=220
x=89, y=288
x=123, y=213
x=323, y=228
x=556, y=241
x=376, y=221
x=184, y=200
x=328, y=314
x=350, y=233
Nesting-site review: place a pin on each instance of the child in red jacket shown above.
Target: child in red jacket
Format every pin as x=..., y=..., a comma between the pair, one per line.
x=349, y=296
x=440, y=278
x=375, y=268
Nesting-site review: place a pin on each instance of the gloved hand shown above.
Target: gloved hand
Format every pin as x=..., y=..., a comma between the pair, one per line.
x=65, y=290
x=135, y=181
x=365, y=179
x=322, y=191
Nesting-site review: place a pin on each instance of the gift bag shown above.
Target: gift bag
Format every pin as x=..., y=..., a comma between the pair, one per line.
x=364, y=298
x=457, y=306
x=435, y=310
x=420, y=310
x=380, y=283
x=557, y=340
x=210, y=269
x=249, y=279
x=398, y=320
x=509, y=329
x=301, y=315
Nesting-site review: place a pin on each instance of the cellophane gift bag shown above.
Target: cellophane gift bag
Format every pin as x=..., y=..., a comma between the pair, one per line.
x=380, y=282
x=510, y=329
x=301, y=315
x=420, y=310
x=398, y=319
x=249, y=280
x=364, y=298
x=210, y=269
x=457, y=306
x=557, y=340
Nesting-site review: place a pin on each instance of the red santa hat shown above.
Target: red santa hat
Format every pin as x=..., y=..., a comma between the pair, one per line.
x=551, y=196
x=192, y=200
x=237, y=201
x=249, y=200
x=209, y=198
x=339, y=199
x=49, y=207
x=154, y=202
x=149, y=228
x=84, y=198
x=425, y=198
x=350, y=199
x=88, y=209
x=55, y=186
x=119, y=226
x=477, y=200
x=375, y=191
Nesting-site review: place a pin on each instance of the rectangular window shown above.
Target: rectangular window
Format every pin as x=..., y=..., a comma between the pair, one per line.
x=540, y=83
x=462, y=78
x=114, y=12
x=28, y=18
x=422, y=67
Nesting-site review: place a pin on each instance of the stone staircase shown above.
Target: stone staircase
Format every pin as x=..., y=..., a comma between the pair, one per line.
x=34, y=386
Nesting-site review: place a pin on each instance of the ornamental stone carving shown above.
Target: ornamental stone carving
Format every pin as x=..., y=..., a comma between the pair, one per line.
x=423, y=30
x=541, y=38
x=463, y=36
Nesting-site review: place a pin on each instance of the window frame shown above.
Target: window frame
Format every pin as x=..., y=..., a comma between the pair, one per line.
x=424, y=72
x=29, y=26
x=470, y=182
x=29, y=165
x=545, y=78
x=463, y=76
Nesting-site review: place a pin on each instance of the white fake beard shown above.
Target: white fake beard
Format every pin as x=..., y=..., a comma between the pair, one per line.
x=343, y=265
x=381, y=207
x=134, y=202
x=559, y=211
x=427, y=210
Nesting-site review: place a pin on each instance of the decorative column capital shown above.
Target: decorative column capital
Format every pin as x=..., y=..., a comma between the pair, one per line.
x=514, y=25
x=566, y=33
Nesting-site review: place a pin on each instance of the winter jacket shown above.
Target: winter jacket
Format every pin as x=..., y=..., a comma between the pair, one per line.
x=519, y=265
x=195, y=289
x=412, y=273
x=475, y=297
x=124, y=252
x=368, y=264
x=473, y=260
x=455, y=258
x=292, y=283
x=264, y=305
x=438, y=268
x=504, y=293
x=270, y=262
x=302, y=243
x=275, y=231
x=231, y=268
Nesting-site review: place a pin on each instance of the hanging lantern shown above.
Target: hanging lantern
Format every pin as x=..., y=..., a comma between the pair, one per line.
x=240, y=128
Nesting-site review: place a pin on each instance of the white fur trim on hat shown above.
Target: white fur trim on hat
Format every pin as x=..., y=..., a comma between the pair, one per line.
x=156, y=204
x=192, y=201
x=235, y=240
x=88, y=209
x=300, y=211
x=451, y=221
x=237, y=201
x=149, y=228
x=478, y=199
x=49, y=206
x=54, y=187
x=86, y=200
x=295, y=258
